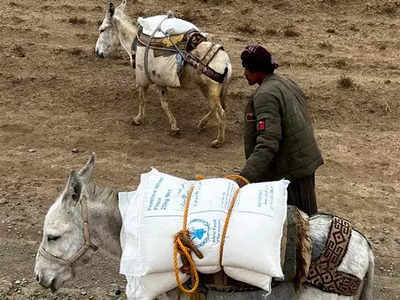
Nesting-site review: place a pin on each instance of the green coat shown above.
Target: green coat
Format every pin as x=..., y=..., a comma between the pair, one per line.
x=278, y=139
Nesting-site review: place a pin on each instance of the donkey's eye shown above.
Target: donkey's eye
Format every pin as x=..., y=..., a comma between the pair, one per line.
x=52, y=237
x=102, y=30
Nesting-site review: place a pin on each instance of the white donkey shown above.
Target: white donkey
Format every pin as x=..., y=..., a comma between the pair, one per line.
x=86, y=216
x=118, y=28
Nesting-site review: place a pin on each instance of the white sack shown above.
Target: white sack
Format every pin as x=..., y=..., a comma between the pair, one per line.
x=162, y=199
x=143, y=287
x=262, y=208
x=168, y=26
x=251, y=252
x=152, y=285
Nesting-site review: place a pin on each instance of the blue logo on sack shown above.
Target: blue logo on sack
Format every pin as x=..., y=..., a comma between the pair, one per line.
x=199, y=231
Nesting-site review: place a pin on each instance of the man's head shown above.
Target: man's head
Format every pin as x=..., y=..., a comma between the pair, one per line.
x=257, y=62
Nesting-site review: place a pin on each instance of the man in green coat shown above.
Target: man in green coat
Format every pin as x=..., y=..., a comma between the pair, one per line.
x=278, y=138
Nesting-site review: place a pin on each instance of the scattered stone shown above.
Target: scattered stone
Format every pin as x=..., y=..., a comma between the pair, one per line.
x=75, y=150
x=32, y=150
x=3, y=201
x=116, y=290
x=18, y=282
x=397, y=241
x=83, y=293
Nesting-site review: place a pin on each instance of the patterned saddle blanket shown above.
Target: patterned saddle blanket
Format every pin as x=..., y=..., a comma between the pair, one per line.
x=323, y=271
x=185, y=41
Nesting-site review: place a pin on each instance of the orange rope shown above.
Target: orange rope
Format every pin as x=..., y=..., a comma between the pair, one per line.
x=228, y=215
x=178, y=245
x=237, y=176
x=183, y=249
x=225, y=230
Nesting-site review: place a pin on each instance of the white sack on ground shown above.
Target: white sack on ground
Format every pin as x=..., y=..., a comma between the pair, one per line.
x=163, y=70
x=156, y=214
x=168, y=26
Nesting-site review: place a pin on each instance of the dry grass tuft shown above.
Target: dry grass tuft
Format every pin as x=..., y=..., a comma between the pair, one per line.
x=246, y=27
x=390, y=8
x=354, y=28
x=190, y=15
x=290, y=31
x=345, y=82
x=340, y=63
x=218, y=2
x=325, y=45
x=77, y=21
x=19, y=51
x=77, y=52
x=270, y=32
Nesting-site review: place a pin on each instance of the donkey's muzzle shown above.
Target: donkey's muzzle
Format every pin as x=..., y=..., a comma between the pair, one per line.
x=98, y=53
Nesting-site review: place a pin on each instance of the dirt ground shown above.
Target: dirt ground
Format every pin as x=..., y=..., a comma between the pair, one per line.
x=58, y=103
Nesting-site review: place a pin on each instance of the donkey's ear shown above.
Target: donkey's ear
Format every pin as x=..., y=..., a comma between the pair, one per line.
x=86, y=172
x=73, y=189
x=122, y=5
x=111, y=9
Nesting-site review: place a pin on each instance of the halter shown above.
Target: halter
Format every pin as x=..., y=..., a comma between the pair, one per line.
x=88, y=244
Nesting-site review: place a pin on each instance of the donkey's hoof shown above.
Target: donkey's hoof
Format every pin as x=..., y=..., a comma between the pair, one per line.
x=136, y=121
x=175, y=132
x=216, y=143
x=201, y=126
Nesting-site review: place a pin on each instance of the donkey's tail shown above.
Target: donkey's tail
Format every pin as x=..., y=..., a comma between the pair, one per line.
x=368, y=284
x=225, y=84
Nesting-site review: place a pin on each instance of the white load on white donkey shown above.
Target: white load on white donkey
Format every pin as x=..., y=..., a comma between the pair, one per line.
x=169, y=52
x=87, y=217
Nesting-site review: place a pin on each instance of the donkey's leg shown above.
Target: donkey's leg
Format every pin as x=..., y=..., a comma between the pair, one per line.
x=164, y=105
x=204, y=120
x=213, y=92
x=214, y=99
x=139, y=119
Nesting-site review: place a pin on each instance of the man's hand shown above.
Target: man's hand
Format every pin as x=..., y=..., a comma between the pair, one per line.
x=239, y=179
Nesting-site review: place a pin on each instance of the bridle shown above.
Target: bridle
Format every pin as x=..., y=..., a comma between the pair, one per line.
x=87, y=244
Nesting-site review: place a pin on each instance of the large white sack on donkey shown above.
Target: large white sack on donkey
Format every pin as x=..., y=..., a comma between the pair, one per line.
x=152, y=285
x=262, y=207
x=165, y=24
x=143, y=287
x=163, y=70
x=156, y=214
